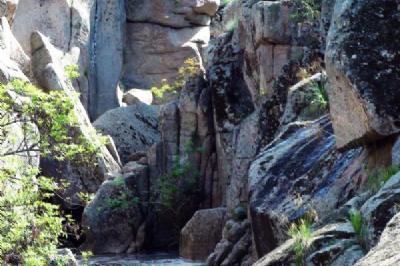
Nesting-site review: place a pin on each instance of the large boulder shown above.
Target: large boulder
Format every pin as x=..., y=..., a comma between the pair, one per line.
x=133, y=128
x=202, y=233
x=300, y=171
x=364, y=98
x=386, y=252
x=114, y=216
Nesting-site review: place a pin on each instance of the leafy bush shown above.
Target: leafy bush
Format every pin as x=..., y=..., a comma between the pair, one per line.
x=124, y=199
x=377, y=178
x=318, y=101
x=72, y=72
x=190, y=68
x=29, y=224
x=304, y=10
x=302, y=234
x=172, y=190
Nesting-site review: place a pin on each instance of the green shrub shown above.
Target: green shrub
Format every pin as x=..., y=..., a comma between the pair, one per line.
x=304, y=10
x=318, y=101
x=29, y=225
x=190, y=68
x=377, y=178
x=175, y=188
x=72, y=72
x=302, y=234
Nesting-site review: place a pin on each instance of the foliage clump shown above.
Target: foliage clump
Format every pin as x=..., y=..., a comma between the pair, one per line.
x=304, y=10
x=190, y=68
x=29, y=224
x=173, y=189
x=318, y=101
x=124, y=199
x=357, y=221
x=377, y=178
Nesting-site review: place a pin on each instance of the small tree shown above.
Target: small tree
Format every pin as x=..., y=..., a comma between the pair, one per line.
x=29, y=224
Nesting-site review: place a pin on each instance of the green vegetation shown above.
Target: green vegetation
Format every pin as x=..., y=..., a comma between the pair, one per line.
x=190, y=68
x=302, y=234
x=356, y=219
x=377, y=178
x=29, y=225
x=318, y=101
x=72, y=72
x=86, y=256
x=174, y=189
x=304, y=10
x=226, y=2
x=124, y=199
x=232, y=25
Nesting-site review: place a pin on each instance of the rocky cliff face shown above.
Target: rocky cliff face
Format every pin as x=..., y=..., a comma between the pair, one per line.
x=286, y=132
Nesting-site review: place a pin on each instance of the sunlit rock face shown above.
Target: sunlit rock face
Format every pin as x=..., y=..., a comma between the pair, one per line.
x=161, y=35
x=365, y=94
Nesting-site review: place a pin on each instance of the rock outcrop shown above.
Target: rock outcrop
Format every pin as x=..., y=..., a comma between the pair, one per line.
x=282, y=190
x=202, y=233
x=386, y=252
x=114, y=216
x=364, y=95
x=47, y=70
x=134, y=128
x=181, y=29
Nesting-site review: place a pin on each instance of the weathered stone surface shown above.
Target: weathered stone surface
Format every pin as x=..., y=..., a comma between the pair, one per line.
x=364, y=98
x=299, y=170
x=171, y=13
x=300, y=105
x=334, y=244
x=133, y=128
x=147, y=62
x=134, y=96
x=202, y=233
x=106, y=55
x=10, y=47
x=50, y=18
x=113, y=217
x=386, y=252
x=234, y=245
x=380, y=208
x=396, y=152
x=46, y=66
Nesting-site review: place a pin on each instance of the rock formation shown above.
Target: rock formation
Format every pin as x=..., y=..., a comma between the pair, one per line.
x=282, y=148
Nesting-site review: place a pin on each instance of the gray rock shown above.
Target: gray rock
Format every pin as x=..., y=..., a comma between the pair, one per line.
x=386, y=252
x=396, y=152
x=380, y=208
x=171, y=13
x=133, y=128
x=113, y=217
x=134, y=96
x=301, y=161
x=202, y=233
x=334, y=244
x=106, y=55
x=361, y=110
x=46, y=66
